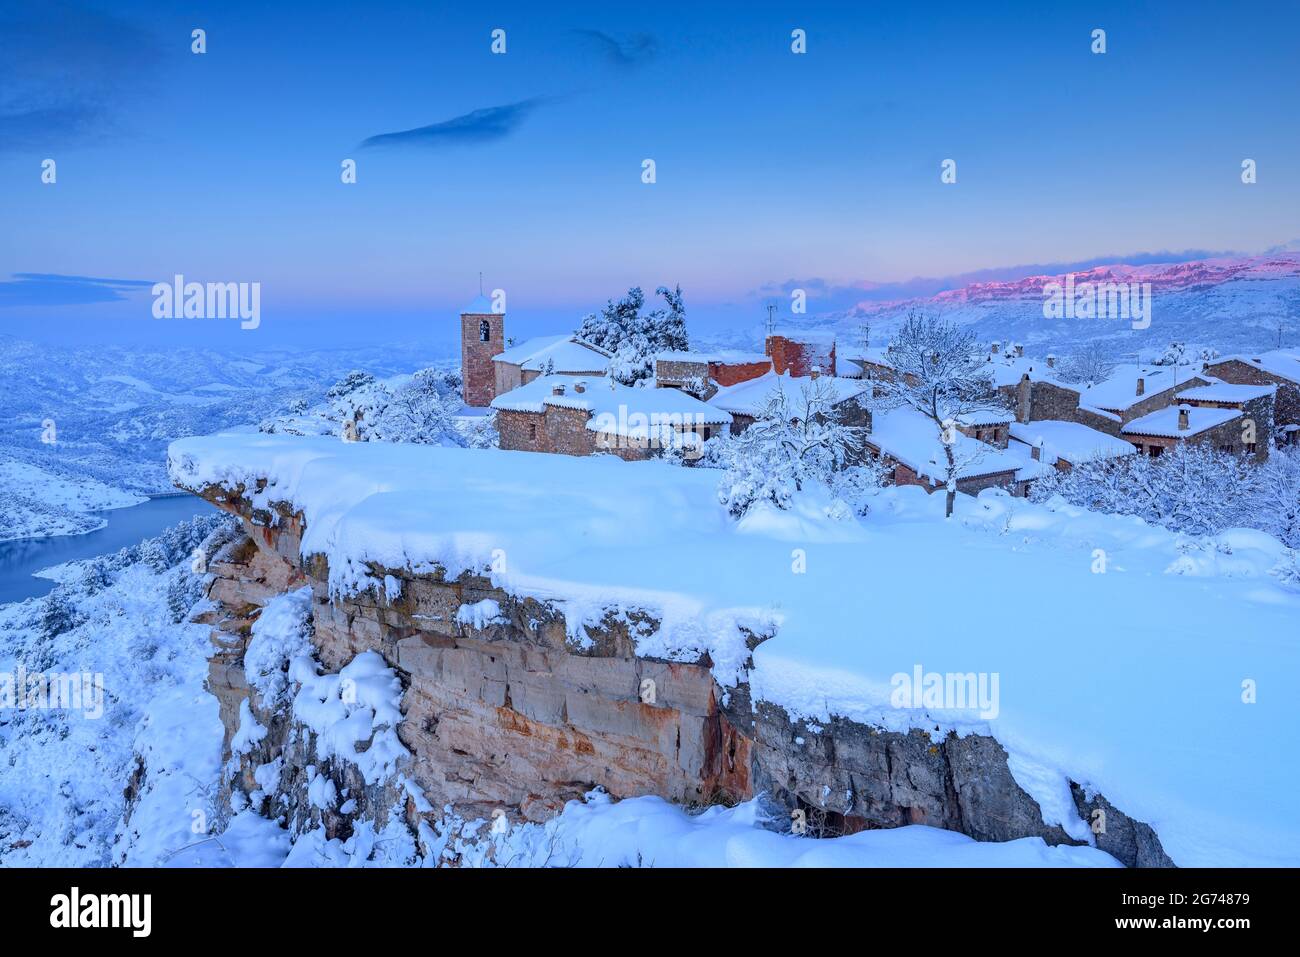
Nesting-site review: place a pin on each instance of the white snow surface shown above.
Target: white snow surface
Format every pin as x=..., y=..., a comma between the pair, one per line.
x=651, y=832
x=1129, y=681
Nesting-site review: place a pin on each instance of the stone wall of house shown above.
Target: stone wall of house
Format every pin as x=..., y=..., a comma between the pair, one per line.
x=678, y=373
x=1228, y=437
x=1286, y=407
x=517, y=713
x=1037, y=400
x=522, y=431
x=567, y=432
x=507, y=376
x=904, y=475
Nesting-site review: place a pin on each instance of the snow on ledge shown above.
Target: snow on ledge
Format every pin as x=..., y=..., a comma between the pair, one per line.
x=1129, y=679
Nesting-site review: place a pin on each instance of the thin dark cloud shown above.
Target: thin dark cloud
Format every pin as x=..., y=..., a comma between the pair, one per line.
x=478, y=126
x=67, y=72
x=53, y=289
x=625, y=53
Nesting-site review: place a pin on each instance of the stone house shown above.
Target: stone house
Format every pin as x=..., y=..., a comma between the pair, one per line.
x=546, y=355
x=702, y=373
x=490, y=366
x=746, y=401
x=1063, y=444
x=909, y=445
x=1132, y=392
x=572, y=415
x=1223, y=428
x=1280, y=368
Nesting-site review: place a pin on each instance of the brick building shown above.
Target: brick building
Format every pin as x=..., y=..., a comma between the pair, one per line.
x=799, y=351
x=573, y=415
x=482, y=336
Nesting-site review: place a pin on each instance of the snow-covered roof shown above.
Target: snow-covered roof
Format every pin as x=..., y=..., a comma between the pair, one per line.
x=794, y=334
x=614, y=407
x=986, y=417
x=1010, y=369
x=751, y=397
x=1227, y=392
x=1284, y=363
x=1071, y=441
x=1164, y=422
x=481, y=306
x=1119, y=392
x=565, y=353
x=909, y=437
x=732, y=356
x=1030, y=467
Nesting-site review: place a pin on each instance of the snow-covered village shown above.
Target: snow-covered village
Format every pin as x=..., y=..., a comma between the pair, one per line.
x=463, y=506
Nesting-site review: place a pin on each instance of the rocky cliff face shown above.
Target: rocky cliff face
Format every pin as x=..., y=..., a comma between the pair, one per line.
x=506, y=707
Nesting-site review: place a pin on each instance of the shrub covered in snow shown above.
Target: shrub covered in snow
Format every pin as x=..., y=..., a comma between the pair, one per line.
x=1192, y=488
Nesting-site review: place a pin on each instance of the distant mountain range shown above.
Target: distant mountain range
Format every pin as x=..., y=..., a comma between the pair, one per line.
x=1232, y=304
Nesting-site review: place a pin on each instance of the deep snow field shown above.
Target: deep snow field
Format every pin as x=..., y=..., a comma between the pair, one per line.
x=1128, y=679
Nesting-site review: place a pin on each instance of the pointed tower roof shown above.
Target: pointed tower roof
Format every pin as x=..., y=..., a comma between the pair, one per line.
x=481, y=306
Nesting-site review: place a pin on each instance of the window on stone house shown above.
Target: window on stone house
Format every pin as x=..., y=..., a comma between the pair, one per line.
x=532, y=431
x=484, y=330
x=1156, y=450
x=1250, y=448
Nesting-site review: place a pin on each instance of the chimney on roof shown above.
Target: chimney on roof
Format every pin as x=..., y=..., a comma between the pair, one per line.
x=579, y=387
x=1183, y=413
x=1036, y=451
x=557, y=389
x=815, y=372
x=994, y=349
x=1051, y=361
x=1020, y=351
x=1142, y=385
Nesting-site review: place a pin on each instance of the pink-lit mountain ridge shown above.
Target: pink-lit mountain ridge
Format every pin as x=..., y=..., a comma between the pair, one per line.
x=1232, y=304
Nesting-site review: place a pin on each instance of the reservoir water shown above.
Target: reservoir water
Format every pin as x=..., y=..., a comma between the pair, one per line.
x=126, y=526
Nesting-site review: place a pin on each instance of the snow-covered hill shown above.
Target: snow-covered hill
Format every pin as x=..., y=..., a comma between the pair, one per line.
x=1231, y=304
x=83, y=429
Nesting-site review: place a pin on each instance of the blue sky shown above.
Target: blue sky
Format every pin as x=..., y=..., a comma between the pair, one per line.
x=773, y=169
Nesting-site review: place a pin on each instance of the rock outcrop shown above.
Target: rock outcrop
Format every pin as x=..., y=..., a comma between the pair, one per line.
x=507, y=706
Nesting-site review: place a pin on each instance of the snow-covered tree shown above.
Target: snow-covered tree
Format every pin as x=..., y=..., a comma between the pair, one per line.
x=797, y=441
x=420, y=411
x=940, y=372
x=1273, y=503
x=1094, y=363
x=632, y=338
